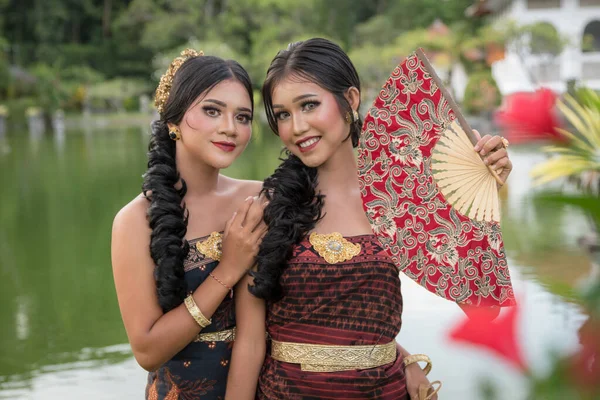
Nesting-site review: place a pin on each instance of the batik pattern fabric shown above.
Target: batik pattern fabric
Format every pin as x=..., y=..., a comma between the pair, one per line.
x=449, y=254
x=199, y=371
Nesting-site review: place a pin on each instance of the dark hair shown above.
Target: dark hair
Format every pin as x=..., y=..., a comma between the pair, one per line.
x=167, y=214
x=294, y=204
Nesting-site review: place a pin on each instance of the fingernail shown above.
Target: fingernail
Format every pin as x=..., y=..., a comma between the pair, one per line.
x=482, y=152
x=477, y=148
x=485, y=161
x=249, y=197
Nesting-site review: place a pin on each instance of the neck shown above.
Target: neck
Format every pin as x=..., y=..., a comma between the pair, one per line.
x=199, y=177
x=338, y=175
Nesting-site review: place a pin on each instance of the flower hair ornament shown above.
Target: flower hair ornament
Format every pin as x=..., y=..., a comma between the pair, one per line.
x=166, y=81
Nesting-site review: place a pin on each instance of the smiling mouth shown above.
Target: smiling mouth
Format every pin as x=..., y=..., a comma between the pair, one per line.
x=225, y=146
x=308, y=144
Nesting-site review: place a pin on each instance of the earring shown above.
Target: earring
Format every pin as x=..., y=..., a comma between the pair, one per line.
x=174, y=134
x=352, y=117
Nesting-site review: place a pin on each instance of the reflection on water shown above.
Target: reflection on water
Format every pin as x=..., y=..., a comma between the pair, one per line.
x=61, y=334
x=105, y=373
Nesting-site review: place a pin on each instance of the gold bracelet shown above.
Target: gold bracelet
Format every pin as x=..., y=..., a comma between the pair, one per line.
x=413, y=358
x=195, y=312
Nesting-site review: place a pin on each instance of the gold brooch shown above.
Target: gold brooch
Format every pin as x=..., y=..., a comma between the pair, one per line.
x=211, y=247
x=333, y=247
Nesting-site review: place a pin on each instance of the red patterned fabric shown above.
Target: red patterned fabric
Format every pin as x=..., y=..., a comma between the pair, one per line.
x=354, y=302
x=449, y=254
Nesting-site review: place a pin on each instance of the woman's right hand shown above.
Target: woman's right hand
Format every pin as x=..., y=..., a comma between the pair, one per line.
x=415, y=377
x=242, y=237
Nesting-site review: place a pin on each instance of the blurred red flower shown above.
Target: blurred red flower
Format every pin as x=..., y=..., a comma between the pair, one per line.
x=481, y=328
x=529, y=116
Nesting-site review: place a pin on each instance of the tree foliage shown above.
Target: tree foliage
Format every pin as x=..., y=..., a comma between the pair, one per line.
x=120, y=38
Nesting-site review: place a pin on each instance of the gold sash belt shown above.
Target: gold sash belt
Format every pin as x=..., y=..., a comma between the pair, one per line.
x=326, y=358
x=227, y=335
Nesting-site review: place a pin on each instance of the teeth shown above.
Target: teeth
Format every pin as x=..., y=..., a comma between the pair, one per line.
x=309, y=142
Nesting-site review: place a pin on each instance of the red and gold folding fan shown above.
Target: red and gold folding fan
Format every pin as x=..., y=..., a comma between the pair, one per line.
x=430, y=199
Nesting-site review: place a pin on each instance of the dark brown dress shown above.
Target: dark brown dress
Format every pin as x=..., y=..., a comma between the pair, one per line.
x=354, y=302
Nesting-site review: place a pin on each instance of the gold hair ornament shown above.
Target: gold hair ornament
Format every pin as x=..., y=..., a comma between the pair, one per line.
x=166, y=81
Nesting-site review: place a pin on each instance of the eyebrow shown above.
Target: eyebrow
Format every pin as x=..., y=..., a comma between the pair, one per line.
x=296, y=99
x=224, y=105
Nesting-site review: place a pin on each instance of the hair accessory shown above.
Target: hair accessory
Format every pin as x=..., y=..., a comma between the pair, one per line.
x=166, y=81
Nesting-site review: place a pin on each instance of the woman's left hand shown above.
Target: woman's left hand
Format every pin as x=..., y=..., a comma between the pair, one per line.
x=415, y=377
x=493, y=150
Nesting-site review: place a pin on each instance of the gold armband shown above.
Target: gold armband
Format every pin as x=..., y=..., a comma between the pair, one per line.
x=413, y=358
x=195, y=312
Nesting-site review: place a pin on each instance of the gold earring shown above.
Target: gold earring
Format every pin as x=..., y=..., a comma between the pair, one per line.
x=352, y=116
x=174, y=134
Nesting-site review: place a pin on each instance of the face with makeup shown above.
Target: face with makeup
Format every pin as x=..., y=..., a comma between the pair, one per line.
x=310, y=122
x=217, y=127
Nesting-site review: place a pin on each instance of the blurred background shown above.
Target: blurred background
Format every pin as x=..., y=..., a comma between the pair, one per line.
x=76, y=100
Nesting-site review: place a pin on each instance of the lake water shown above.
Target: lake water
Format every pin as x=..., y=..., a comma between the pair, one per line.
x=61, y=335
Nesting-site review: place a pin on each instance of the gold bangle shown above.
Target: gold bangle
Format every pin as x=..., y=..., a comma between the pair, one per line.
x=195, y=312
x=413, y=358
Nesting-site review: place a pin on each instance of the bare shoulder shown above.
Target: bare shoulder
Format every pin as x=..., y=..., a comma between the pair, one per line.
x=240, y=188
x=249, y=188
x=131, y=220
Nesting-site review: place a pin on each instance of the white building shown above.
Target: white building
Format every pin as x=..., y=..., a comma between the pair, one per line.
x=572, y=19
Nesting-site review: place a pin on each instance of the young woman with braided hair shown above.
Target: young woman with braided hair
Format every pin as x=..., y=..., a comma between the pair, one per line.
x=173, y=269
x=327, y=289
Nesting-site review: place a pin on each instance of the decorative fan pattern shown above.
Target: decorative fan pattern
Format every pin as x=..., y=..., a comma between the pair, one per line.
x=463, y=178
x=406, y=161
